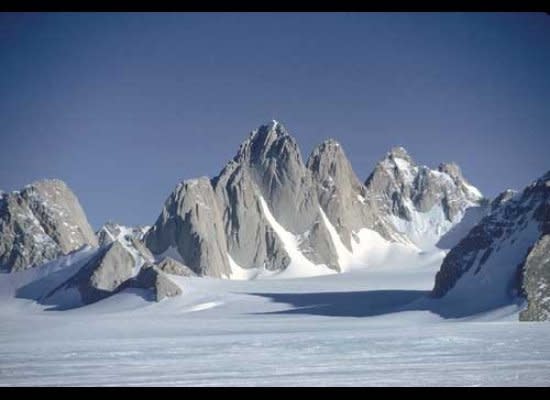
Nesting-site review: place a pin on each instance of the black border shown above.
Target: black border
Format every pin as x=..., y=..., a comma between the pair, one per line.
x=275, y=5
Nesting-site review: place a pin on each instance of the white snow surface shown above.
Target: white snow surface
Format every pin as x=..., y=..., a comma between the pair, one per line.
x=369, y=326
x=425, y=228
x=369, y=249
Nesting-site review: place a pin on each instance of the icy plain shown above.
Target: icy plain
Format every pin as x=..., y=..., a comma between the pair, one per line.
x=370, y=326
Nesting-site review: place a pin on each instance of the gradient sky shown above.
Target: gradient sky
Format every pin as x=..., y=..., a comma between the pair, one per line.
x=124, y=106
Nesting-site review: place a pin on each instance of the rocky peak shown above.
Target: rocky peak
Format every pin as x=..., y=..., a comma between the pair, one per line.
x=41, y=222
x=452, y=169
x=269, y=141
x=504, y=254
x=326, y=158
x=191, y=225
x=340, y=193
x=424, y=203
x=225, y=222
x=399, y=152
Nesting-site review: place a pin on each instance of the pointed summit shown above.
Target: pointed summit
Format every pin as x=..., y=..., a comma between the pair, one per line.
x=340, y=193
x=329, y=160
x=267, y=141
x=399, y=152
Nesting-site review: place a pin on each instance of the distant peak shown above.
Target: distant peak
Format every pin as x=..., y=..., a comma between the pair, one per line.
x=273, y=127
x=399, y=152
x=263, y=139
x=452, y=169
x=328, y=147
x=47, y=182
x=330, y=142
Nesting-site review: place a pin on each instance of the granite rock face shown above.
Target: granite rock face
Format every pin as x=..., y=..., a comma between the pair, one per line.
x=152, y=278
x=536, y=282
x=251, y=241
x=40, y=223
x=117, y=266
x=506, y=254
x=191, y=222
x=342, y=196
x=214, y=224
x=267, y=165
x=170, y=266
x=103, y=275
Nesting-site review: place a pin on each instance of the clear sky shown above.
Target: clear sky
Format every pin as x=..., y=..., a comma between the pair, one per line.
x=124, y=106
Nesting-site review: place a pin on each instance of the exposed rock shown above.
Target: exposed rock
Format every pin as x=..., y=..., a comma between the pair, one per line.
x=40, y=223
x=150, y=277
x=251, y=240
x=103, y=275
x=342, y=195
x=170, y=266
x=192, y=223
x=536, y=282
x=506, y=254
x=422, y=203
x=268, y=165
x=210, y=223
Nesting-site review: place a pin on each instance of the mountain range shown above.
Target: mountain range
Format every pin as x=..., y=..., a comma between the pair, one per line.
x=271, y=214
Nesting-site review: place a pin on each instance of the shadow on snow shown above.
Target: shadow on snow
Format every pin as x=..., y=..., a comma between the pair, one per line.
x=375, y=302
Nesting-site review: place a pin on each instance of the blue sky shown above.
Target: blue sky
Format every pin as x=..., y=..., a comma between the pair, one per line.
x=124, y=106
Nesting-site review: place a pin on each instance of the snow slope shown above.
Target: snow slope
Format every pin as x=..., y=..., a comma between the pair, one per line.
x=369, y=326
x=369, y=249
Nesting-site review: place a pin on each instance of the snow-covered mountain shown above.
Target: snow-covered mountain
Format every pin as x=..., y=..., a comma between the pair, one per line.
x=422, y=203
x=504, y=257
x=269, y=213
x=40, y=223
x=44, y=226
x=112, y=268
x=121, y=262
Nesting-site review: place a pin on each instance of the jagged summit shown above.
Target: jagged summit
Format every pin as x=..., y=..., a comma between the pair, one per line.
x=112, y=231
x=269, y=210
x=330, y=142
x=399, y=152
x=423, y=203
x=269, y=141
x=328, y=149
x=322, y=204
